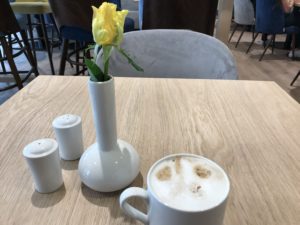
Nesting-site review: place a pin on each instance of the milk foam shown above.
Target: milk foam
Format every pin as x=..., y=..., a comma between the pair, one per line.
x=189, y=183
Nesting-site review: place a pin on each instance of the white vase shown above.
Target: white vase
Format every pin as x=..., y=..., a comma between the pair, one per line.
x=110, y=164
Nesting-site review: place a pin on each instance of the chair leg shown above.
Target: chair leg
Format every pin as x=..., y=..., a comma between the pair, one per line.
x=293, y=45
x=295, y=78
x=45, y=36
x=266, y=48
x=55, y=26
x=29, y=53
x=233, y=31
x=252, y=42
x=253, y=31
x=14, y=71
x=63, y=57
x=243, y=31
x=273, y=42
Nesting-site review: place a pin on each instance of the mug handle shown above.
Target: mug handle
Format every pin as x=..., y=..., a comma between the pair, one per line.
x=130, y=210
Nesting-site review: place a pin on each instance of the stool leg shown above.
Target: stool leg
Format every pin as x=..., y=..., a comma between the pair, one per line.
x=29, y=54
x=21, y=45
x=14, y=71
x=45, y=36
x=2, y=63
x=55, y=26
x=63, y=57
x=31, y=37
x=87, y=54
x=77, y=56
x=10, y=43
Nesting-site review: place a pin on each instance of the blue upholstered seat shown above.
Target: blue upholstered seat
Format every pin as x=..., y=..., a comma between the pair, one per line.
x=269, y=17
x=79, y=34
x=270, y=20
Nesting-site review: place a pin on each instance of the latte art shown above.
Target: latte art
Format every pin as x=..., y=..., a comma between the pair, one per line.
x=189, y=183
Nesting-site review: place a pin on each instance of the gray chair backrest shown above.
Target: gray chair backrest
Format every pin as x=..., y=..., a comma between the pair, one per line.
x=243, y=12
x=174, y=54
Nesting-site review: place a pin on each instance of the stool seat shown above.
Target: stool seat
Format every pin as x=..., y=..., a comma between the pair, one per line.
x=31, y=7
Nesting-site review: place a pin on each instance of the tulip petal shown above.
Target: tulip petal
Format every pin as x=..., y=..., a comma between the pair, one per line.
x=108, y=24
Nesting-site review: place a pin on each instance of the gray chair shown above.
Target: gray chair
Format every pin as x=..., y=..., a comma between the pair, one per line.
x=244, y=16
x=173, y=54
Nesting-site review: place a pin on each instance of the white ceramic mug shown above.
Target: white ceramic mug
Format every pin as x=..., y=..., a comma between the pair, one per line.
x=161, y=212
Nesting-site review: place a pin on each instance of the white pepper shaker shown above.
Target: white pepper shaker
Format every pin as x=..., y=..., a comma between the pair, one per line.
x=68, y=132
x=43, y=160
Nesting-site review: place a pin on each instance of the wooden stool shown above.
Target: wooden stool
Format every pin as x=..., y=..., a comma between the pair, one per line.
x=39, y=8
x=10, y=27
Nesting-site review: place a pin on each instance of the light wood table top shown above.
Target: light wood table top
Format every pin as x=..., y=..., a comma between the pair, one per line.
x=250, y=128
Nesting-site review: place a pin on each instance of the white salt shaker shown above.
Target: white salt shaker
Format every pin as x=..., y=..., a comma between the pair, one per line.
x=43, y=160
x=68, y=132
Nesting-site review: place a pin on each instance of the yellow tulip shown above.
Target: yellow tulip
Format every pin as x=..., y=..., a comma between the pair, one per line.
x=108, y=24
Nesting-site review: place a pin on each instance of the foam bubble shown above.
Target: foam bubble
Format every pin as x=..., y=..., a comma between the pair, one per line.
x=189, y=183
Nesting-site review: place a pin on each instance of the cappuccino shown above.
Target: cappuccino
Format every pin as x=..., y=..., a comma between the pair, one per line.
x=189, y=183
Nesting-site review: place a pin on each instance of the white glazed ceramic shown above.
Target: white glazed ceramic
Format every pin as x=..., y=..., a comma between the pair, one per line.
x=68, y=133
x=43, y=160
x=109, y=164
x=159, y=213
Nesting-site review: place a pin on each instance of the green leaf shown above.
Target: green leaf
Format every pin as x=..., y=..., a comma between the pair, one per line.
x=94, y=70
x=90, y=47
x=130, y=61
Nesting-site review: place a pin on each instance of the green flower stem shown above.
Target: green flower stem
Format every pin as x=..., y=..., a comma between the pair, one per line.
x=105, y=58
x=106, y=65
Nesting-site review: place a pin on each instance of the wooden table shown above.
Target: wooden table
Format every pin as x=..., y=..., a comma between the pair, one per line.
x=251, y=128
